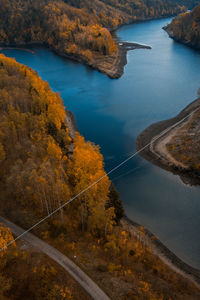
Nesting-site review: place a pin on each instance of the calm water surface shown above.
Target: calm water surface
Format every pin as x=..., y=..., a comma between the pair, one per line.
x=157, y=84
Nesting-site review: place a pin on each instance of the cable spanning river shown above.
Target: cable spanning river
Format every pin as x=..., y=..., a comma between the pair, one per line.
x=157, y=84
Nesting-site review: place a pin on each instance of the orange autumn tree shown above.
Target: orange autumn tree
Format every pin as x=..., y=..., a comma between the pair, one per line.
x=2, y=153
x=5, y=238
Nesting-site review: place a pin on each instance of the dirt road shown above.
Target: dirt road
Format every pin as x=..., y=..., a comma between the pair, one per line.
x=86, y=282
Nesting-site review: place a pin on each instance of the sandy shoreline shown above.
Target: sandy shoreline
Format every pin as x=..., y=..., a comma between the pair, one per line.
x=157, y=153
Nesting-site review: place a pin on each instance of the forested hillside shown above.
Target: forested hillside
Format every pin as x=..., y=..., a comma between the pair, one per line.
x=37, y=175
x=74, y=28
x=186, y=28
x=39, y=172
x=190, y=4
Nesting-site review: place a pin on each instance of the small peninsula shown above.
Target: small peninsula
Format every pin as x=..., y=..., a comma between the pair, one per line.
x=174, y=144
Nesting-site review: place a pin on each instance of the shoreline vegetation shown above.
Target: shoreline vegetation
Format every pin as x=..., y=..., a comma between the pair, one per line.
x=158, y=152
x=112, y=65
x=17, y=48
x=114, y=68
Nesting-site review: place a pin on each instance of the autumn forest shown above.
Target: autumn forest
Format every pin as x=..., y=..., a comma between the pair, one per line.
x=186, y=28
x=80, y=29
x=43, y=166
x=45, y=162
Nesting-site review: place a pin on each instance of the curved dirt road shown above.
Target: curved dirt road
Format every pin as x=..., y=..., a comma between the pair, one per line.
x=88, y=284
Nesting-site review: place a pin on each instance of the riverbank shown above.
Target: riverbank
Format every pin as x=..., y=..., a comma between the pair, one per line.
x=185, y=28
x=157, y=152
x=180, y=40
x=161, y=251
x=113, y=66
x=18, y=48
x=110, y=65
x=144, y=235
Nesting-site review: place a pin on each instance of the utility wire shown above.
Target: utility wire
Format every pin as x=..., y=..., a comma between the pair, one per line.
x=100, y=179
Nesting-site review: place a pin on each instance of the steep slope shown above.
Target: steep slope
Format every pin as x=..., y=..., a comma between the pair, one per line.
x=34, y=151
x=186, y=28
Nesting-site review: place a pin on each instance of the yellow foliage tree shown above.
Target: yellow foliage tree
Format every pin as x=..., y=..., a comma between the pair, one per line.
x=85, y=169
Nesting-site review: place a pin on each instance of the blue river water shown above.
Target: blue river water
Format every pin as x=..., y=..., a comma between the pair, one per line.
x=157, y=84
